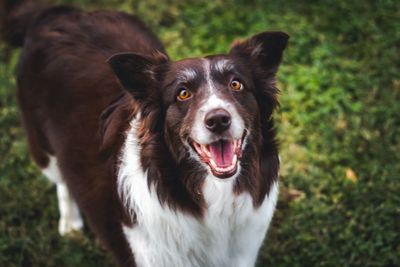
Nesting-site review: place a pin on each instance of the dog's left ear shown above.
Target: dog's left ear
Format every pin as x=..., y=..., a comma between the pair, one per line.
x=265, y=48
x=136, y=72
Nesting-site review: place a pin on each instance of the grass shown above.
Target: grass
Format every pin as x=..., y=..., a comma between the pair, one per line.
x=338, y=126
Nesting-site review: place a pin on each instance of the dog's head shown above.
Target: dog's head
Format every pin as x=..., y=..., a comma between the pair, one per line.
x=206, y=111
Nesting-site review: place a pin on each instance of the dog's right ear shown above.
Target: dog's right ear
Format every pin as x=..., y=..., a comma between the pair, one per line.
x=136, y=71
x=265, y=48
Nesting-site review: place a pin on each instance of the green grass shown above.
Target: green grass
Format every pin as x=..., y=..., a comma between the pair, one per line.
x=339, y=127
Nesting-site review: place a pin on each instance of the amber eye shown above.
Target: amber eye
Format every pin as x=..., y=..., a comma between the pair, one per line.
x=236, y=85
x=184, y=94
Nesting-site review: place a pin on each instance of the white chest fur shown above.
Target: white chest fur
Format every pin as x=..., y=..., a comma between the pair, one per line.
x=229, y=235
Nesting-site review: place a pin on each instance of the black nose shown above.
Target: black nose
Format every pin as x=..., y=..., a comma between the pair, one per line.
x=217, y=120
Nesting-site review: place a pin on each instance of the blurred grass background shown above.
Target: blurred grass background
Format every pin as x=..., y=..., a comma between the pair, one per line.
x=339, y=127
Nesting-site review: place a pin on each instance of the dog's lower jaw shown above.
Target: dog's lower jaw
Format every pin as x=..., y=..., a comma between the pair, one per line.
x=221, y=157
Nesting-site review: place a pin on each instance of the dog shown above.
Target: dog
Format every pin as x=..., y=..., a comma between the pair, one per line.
x=172, y=163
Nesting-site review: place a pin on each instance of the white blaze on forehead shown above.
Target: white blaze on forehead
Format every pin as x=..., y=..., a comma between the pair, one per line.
x=213, y=100
x=210, y=83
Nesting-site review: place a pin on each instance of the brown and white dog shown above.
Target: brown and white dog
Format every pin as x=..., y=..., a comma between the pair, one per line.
x=172, y=163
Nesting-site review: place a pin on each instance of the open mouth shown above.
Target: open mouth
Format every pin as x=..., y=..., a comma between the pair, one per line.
x=221, y=156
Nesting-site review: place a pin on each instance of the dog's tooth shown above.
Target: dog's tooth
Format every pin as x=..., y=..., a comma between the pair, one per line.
x=197, y=147
x=206, y=151
x=212, y=162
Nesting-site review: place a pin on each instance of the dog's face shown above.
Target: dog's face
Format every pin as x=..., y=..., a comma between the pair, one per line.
x=212, y=107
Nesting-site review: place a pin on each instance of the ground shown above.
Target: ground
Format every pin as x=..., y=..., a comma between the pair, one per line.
x=338, y=127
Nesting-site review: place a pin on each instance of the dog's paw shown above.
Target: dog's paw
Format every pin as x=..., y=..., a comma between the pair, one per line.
x=70, y=226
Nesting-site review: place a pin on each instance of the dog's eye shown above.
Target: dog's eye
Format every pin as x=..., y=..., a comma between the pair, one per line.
x=236, y=85
x=184, y=94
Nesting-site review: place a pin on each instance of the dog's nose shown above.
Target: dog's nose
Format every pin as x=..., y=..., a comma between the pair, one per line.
x=217, y=120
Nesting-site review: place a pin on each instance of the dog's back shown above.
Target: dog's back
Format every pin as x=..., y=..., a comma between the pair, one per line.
x=64, y=85
x=63, y=75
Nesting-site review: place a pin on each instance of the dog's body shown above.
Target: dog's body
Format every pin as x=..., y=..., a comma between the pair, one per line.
x=176, y=167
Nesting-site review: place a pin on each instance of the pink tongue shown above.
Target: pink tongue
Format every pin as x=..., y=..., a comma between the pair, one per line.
x=222, y=153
